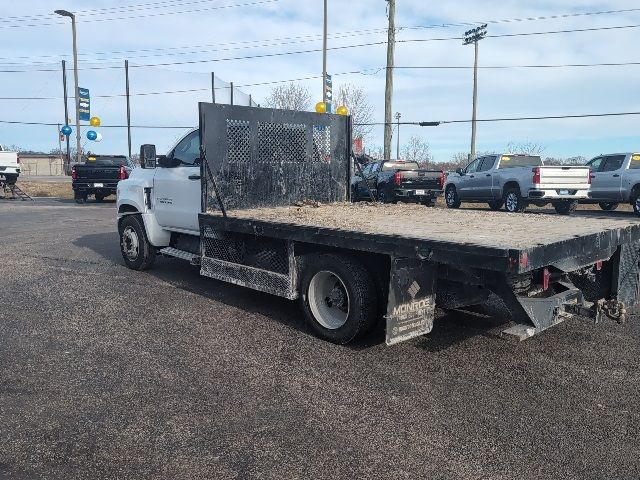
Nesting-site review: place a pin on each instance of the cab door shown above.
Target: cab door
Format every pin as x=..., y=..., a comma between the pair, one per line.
x=484, y=178
x=177, y=189
x=467, y=183
x=610, y=177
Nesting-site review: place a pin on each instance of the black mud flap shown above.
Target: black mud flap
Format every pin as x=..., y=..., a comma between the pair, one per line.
x=412, y=299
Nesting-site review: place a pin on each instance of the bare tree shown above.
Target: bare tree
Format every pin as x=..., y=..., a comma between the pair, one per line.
x=416, y=150
x=353, y=97
x=528, y=147
x=376, y=152
x=579, y=160
x=290, y=96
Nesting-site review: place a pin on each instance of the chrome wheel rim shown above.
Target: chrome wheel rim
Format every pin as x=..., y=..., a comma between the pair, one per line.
x=638, y=204
x=329, y=300
x=130, y=243
x=512, y=202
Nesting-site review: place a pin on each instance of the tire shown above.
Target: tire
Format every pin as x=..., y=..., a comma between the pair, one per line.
x=137, y=252
x=338, y=297
x=608, y=207
x=79, y=198
x=100, y=198
x=451, y=197
x=385, y=197
x=566, y=207
x=495, y=205
x=430, y=203
x=11, y=179
x=513, y=201
x=635, y=203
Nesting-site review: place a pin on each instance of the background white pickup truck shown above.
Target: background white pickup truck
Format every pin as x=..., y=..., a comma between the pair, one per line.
x=9, y=166
x=516, y=181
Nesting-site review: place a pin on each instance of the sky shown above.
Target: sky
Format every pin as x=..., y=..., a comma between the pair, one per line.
x=173, y=46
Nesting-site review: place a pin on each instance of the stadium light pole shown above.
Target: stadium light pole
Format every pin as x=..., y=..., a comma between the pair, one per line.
x=474, y=36
x=65, y=13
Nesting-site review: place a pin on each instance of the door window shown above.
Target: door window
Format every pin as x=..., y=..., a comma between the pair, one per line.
x=487, y=163
x=595, y=164
x=473, y=166
x=612, y=163
x=367, y=170
x=188, y=150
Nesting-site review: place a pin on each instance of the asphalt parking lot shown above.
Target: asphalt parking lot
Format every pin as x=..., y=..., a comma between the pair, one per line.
x=110, y=373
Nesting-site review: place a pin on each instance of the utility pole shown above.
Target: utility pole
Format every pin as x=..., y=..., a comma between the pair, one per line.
x=324, y=55
x=474, y=36
x=388, y=90
x=65, y=13
x=213, y=88
x=66, y=116
x=126, y=79
x=398, y=115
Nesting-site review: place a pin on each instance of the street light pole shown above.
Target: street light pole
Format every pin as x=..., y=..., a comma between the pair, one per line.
x=474, y=36
x=398, y=115
x=65, y=13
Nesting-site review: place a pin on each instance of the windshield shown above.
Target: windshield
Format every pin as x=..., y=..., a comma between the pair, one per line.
x=386, y=166
x=511, y=161
x=107, y=160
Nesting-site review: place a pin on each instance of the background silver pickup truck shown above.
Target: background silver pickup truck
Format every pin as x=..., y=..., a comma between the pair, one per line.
x=516, y=181
x=615, y=178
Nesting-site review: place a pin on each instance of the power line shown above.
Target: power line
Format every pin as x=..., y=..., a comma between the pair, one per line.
x=515, y=119
x=156, y=14
x=341, y=47
x=317, y=50
x=503, y=119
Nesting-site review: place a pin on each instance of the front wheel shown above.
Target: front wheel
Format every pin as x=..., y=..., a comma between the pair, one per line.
x=608, y=207
x=136, y=250
x=566, y=207
x=451, y=197
x=513, y=201
x=338, y=297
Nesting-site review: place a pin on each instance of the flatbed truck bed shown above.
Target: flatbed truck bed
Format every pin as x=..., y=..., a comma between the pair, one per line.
x=494, y=240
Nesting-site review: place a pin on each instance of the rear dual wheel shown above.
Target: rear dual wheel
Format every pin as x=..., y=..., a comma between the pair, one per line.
x=338, y=297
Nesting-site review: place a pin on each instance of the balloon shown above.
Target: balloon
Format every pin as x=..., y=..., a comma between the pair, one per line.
x=66, y=130
x=342, y=110
x=92, y=135
x=94, y=121
x=321, y=107
x=98, y=137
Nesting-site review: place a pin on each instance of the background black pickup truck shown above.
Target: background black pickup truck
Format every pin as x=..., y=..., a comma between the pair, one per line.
x=99, y=176
x=397, y=180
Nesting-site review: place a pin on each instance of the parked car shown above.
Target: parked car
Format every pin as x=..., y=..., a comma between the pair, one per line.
x=615, y=179
x=516, y=181
x=391, y=181
x=9, y=166
x=99, y=176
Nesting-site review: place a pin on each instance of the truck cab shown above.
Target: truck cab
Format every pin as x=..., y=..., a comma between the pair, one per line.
x=166, y=192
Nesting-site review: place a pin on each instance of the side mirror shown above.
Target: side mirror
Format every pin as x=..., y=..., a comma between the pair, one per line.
x=459, y=171
x=166, y=162
x=148, y=156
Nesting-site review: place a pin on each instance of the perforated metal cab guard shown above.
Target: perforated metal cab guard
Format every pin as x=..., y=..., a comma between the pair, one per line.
x=262, y=157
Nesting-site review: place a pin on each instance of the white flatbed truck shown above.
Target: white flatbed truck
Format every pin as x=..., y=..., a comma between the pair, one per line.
x=262, y=202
